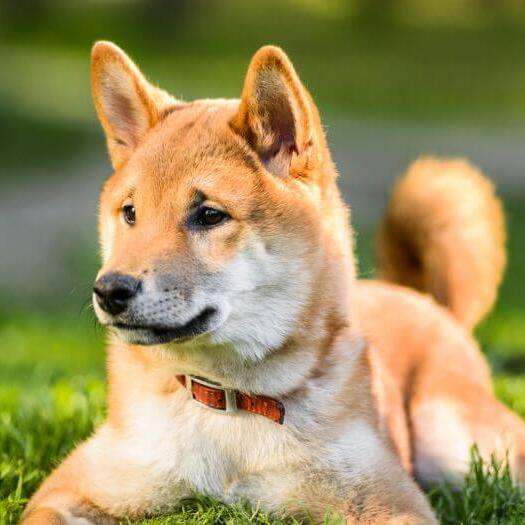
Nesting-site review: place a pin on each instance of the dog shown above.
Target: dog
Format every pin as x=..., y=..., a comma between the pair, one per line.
x=246, y=361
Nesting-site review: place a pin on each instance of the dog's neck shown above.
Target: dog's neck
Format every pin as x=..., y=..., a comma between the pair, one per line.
x=327, y=319
x=307, y=377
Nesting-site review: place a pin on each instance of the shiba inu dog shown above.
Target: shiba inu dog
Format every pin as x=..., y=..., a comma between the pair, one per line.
x=246, y=362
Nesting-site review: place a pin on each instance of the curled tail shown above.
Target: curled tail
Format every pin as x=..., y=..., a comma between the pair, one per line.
x=444, y=234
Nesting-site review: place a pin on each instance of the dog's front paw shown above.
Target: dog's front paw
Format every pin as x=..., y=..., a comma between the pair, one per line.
x=50, y=516
x=44, y=516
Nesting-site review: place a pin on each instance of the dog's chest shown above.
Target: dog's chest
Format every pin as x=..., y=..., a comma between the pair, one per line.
x=217, y=454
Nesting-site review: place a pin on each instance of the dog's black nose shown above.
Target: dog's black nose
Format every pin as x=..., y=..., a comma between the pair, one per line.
x=114, y=291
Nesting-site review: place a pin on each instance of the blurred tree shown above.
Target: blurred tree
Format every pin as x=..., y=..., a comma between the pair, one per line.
x=15, y=13
x=376, y=10
x=504, y=10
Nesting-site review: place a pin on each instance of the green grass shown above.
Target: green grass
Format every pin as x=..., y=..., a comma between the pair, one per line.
x=52, y=395
x=489, y=497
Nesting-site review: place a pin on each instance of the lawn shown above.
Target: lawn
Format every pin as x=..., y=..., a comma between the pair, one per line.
x=52, y=396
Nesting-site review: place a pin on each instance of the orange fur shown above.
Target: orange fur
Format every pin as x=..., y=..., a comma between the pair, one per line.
x=444, y=234
x=117, y=81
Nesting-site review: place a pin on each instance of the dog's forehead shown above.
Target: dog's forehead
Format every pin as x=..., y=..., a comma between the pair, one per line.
x=195, y=144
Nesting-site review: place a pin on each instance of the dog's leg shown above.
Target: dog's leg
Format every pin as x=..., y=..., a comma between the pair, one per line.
x=377, y=491
x=103, y=480
x=44, y=516
x=64, y=498
x=447, y=424
x=78, y=514
x=388, y=497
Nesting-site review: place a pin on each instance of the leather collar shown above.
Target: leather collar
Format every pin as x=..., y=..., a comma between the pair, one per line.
x=227, y=400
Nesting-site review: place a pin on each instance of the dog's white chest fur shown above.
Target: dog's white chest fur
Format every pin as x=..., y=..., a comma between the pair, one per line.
x=181, y=448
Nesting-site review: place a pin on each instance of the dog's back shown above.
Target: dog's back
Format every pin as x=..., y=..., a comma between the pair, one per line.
x=443, y=235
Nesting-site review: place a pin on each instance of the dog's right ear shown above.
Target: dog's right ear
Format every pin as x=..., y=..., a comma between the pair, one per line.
x=127, y=104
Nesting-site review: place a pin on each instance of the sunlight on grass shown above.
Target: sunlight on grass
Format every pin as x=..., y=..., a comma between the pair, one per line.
x=39, y=349
x=38, y=427
x=489, y=497
x=203, y=511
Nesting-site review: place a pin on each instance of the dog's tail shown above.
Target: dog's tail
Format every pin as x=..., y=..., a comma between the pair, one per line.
x=444, y=234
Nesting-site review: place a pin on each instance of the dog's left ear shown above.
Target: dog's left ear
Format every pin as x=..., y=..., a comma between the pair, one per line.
x=276, y=115
x=127, y=104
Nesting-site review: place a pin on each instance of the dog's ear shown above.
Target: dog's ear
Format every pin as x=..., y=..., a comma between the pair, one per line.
x=126, y=103
x=276, y=114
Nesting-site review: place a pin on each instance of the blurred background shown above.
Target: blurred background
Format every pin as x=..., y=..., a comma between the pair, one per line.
x=394, y=79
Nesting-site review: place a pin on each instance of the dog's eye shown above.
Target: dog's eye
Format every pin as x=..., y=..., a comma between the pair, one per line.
x=128, y=213
x=210, y=217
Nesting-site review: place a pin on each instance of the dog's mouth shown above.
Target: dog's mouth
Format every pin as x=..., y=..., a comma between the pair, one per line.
x=146, y=334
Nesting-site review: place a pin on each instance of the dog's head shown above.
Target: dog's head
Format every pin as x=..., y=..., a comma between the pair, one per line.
x=221, y=215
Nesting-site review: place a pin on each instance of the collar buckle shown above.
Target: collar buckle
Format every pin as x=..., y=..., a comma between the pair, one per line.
x=230, y=395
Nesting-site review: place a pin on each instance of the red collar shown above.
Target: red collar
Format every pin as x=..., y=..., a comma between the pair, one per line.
x=223, y=399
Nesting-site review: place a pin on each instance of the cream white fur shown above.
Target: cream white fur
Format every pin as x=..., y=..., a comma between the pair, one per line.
x=441, y=456
x=174, y=446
